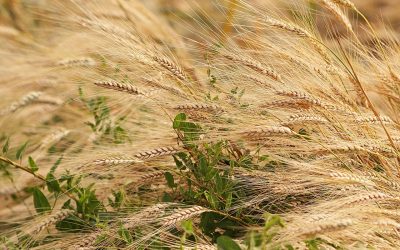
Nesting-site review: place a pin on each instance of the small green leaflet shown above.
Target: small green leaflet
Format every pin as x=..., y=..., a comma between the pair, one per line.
x=52, y=183
x=20, y=151
x=6, y=146
x=226, y=243
x=178, y=119
x=170, y=179
x=33, y=165
x=40, y=201
x=125, y=234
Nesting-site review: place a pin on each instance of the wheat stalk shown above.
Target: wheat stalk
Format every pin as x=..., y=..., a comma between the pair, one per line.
x=289, y=103
x=300, y=95
x=328, y=227
x=346, y=3
x=257, y=80
x=183, y=214
x=352, y=177
x=114, y=161
x=153, y=211
x=122, y=87
x=163, y=151
x=201, y=247
x=86, y=242
x=304, y=119
x=301, y=33
x=157, y=84
x=374, y=120
x=332, y=7
x=51, y=220
x=24, y=101
x=199, y=107
x=171, y=67
x=256, y=66
x=82, y=61
x=376, y=196
x=268, y=131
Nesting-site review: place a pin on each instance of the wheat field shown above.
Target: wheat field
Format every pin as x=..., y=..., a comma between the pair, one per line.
x=184, y=124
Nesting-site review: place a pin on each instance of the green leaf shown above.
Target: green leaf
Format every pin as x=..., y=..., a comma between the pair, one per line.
x=40, y=201
x=289, y=247
x=52, y=183
x=125, y=235
x=312, y=244
x=33, y=165
x=167, y=198
x=212, y=199
x=6, y=146
x=170, y=179
x=226, y=243
x=229, y=199
x=20, y=151
x=272, y=220
x=178, y=119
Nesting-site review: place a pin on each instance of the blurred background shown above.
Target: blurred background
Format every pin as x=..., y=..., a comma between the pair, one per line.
x=22, y=16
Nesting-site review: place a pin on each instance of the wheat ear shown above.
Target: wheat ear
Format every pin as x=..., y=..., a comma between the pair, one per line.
x=328, y=227
x=114, y=161
x=345, y=3
x=171, y=67
x=51, y=220
x=268, y=131
x=183, y=214
x=332, y=7
x=368, y=197
x=374, y=120
x=170, y=150
x=301, y=33
x=86, y=242
x=24, y=101
x=149, y=212
x=194, y=107
x=119, y=87
x=256, y=66
x=304, y=119
x=83, y=61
